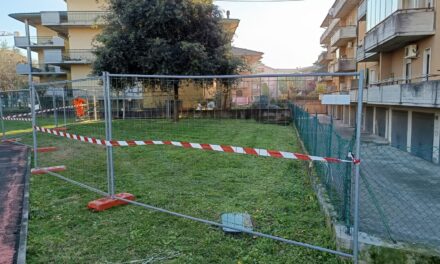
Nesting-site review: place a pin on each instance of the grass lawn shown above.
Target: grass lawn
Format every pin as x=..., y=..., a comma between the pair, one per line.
x=275, y=192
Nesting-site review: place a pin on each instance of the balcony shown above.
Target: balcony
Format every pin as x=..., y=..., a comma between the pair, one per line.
x=68, y=57
x=343, y=36
x=362, y=11
x=343, y=7
x=60, y=20
x=362, y=56
x=399, y=29
x=334, y=25
x=325, y=57
x=422, y=94
x=325, y=78
x=23, y=69
x=39, y=42
x=345, y=65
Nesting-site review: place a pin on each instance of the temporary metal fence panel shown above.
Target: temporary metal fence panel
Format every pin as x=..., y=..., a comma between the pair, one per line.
x=14, y=118
x=72, y=110
x=224, y=112
x=155, y=137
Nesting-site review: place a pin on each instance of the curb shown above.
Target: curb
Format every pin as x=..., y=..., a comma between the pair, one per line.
x=21, y=252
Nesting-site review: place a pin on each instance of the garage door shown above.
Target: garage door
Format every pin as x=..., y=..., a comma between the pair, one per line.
x=399, y=130
x=369, y=120
x=422, y=135
x=381, y=119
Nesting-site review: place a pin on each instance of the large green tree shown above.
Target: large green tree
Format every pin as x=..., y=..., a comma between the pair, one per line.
x=167, y=37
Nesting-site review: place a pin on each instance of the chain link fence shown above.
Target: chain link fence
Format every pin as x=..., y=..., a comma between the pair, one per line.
x=398, y=198
x=321, y=139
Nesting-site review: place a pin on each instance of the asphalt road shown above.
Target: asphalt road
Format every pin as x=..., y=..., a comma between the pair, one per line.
x=13, y=168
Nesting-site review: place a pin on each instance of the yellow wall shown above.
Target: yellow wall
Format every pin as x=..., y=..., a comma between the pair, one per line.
x=80, y=71
x=86, y=5
x=43, y=31
x=82, y=38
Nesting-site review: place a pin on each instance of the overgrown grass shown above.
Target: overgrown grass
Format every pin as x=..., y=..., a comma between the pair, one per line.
x=276, y=193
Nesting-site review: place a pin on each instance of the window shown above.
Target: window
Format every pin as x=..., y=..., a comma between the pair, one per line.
x=379, y=10
x=239, y=93
x=408, y=71
x=427, y=63
x=372, y=77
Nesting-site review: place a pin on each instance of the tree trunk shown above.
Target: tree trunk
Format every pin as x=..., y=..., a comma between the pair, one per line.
x=175, y=102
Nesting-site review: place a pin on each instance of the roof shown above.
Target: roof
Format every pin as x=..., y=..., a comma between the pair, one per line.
x=33, y=18
x=246, y=52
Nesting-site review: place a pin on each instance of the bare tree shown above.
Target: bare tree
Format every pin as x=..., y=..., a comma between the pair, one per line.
x=9, y=58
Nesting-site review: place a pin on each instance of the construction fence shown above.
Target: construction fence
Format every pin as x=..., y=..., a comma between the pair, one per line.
x=118, y=135
x=92, y=122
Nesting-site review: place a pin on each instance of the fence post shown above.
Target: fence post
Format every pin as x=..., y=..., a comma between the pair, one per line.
x=330, y=138
x=315, y=147
x=347, y=194
x=64, y=108
x=32, y=93
x=108, y=134
x=54, y=106
x=357, y=169
x=95, y=113
x=1, y=118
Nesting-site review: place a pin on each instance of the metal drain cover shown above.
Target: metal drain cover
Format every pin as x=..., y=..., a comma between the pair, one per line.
x=238, y=220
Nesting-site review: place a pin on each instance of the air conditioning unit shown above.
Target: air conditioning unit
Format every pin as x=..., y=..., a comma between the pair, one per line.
x=411, y=51
x=350, y=45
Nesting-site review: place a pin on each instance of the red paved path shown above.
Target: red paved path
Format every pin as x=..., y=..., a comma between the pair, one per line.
x=13, y=163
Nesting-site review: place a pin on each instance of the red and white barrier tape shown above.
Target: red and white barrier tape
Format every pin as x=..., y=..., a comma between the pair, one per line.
x=39, y=112
x=212, y=147
x=17, y=119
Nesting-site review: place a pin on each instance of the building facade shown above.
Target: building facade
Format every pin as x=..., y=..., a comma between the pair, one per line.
x=65, y=39
x=397, y=44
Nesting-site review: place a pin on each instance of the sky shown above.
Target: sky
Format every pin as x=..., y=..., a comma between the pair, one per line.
x=287, y=32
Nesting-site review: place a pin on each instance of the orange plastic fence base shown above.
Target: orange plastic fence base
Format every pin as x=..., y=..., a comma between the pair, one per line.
x=11, y=140
x=105, y=203
x=60, y=128
x=46, y=149
x=45, y=170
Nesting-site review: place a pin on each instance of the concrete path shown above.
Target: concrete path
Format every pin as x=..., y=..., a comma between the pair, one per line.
x=400, y=195
x=13, y=170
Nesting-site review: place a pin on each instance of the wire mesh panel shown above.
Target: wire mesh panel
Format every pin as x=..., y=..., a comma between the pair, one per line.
x=399, y=198
x=168, y=133
x=14, y=110
x=321, y=139
x=69, y=114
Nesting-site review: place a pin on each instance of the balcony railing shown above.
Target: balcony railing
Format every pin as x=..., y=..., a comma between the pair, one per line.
x=42, y=69
x=343, y=36
x=73, y=18
x=78, y=56
x=325, y=38
x=345, y=65
x=325, y=78
x=343, y=7
x=403, y=92
x=39, y=42
x=400, y=28
x=325, y=57
x=362, y=56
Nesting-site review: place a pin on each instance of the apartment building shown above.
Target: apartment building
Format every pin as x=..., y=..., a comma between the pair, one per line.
x=397, y=44
x=65, y=39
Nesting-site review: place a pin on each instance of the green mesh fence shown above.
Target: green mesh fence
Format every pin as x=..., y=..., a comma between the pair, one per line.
x=320, y=139
x=399, y=198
